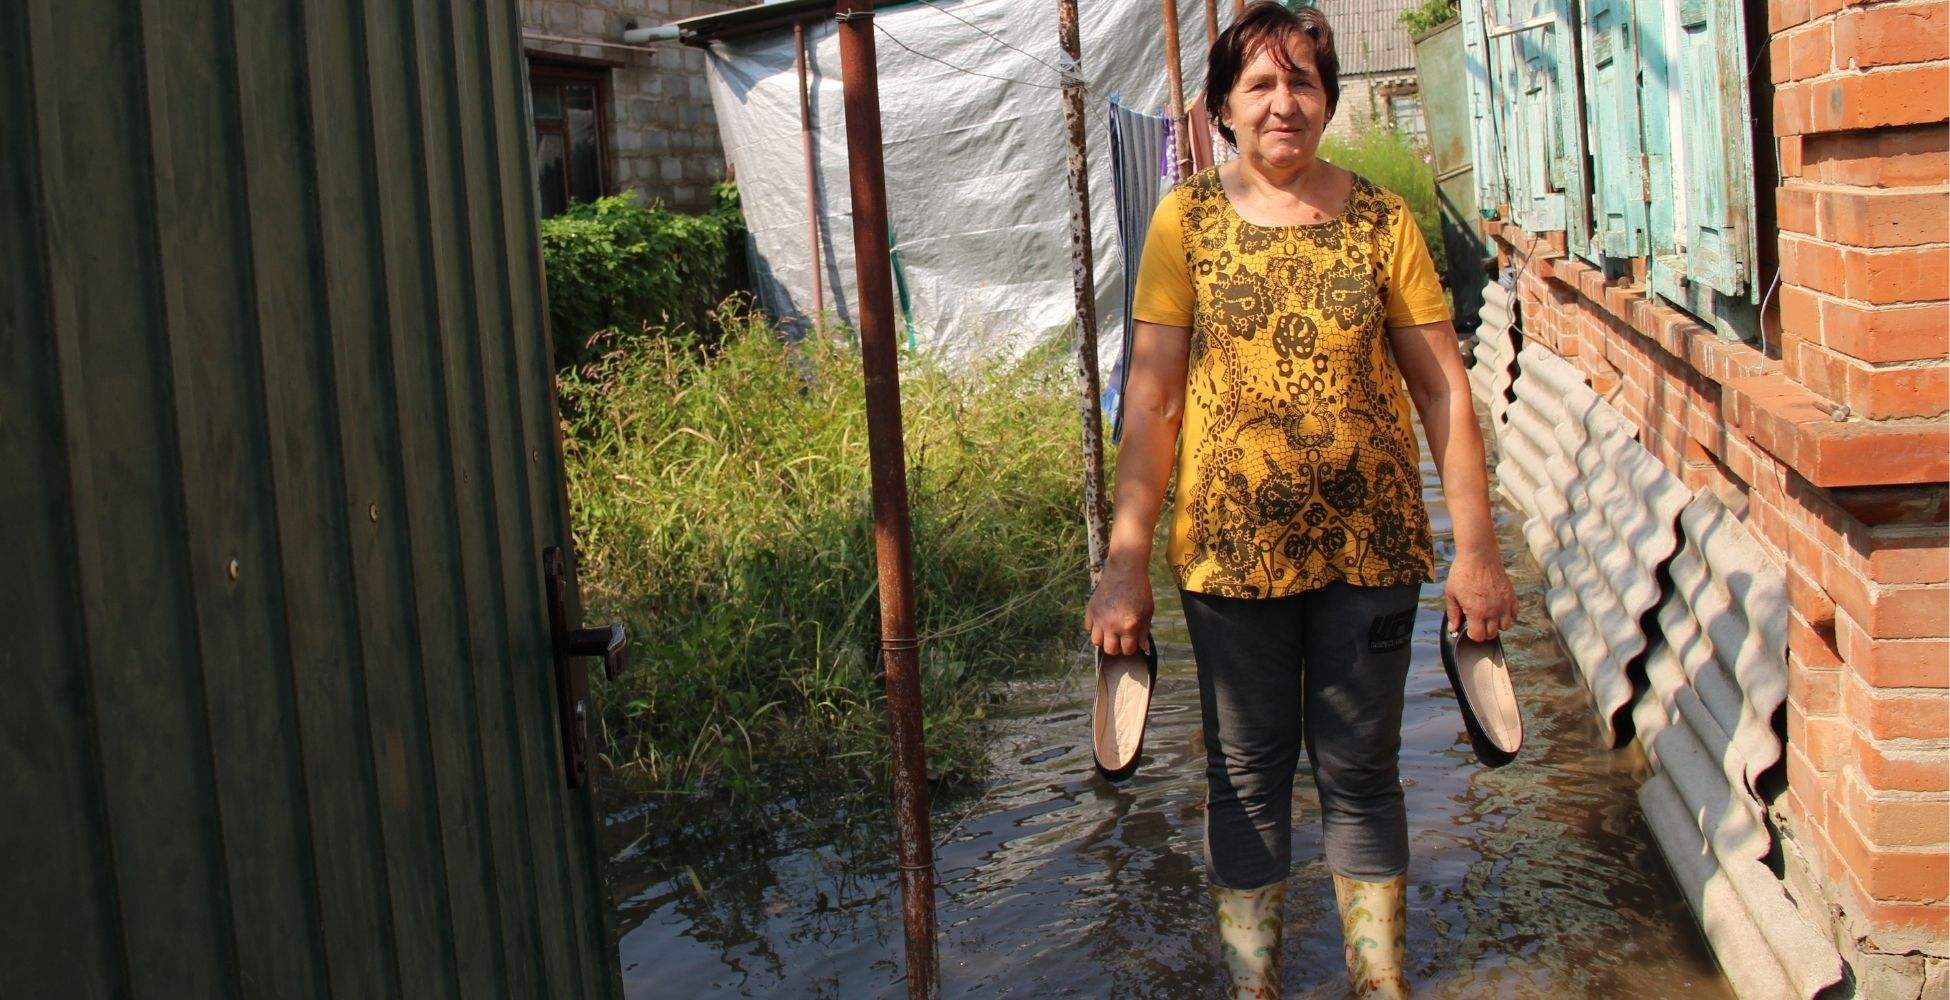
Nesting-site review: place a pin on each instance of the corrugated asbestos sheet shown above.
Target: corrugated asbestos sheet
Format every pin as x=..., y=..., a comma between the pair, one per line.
x=1495, y=353
x=1673, y=614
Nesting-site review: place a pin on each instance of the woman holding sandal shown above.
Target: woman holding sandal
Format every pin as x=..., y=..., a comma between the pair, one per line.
x=1281, y=305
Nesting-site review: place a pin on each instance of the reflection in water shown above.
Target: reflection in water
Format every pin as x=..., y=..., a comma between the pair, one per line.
x=1537, y=880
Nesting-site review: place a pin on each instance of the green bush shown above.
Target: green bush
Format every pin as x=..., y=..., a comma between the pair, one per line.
x=1432, y=13
x=721, y=508
x=1397, y=162
x=613, y=264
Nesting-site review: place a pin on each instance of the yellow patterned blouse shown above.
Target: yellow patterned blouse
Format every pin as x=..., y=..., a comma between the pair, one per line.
x=1297, y=462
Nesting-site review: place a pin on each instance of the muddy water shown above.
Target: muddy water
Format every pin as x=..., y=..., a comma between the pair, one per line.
x=1537, y=880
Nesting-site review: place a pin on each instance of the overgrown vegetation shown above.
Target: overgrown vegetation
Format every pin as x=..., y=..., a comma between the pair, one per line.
x=1431, y=14
x=721, y=508
x=614, y=264
x=1397, y=162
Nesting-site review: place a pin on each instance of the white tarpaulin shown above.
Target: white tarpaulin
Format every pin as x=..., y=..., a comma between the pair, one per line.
x=976, y=153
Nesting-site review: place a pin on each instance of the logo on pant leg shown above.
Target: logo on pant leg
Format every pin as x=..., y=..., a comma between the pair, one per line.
x=1391, y=631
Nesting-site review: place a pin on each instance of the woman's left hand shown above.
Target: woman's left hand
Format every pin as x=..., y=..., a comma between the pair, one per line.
x=1478, y=590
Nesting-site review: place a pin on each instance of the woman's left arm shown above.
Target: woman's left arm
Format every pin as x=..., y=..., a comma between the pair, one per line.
x=1477, y=588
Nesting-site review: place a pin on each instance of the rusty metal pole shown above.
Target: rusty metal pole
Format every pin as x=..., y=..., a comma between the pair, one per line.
x=1181, y=141
x=1238, y=10
x=1096, y=513
x=1211, y=23
x=892, y=534
x=812, y=189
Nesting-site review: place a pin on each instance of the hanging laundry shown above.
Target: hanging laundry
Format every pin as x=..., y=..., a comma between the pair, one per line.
x=1141, y=172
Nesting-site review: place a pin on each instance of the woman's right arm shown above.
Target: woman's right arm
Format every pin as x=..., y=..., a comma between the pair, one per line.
x=1119, y=615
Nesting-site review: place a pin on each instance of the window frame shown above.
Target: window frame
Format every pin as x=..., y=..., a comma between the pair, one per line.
x=549, y=72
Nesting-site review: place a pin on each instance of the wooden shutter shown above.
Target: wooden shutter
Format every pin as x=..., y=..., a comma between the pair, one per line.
x=1718, y=172
x=1477, y=77
x=1611, y=101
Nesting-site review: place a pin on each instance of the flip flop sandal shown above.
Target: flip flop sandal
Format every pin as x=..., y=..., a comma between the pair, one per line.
x=1481, y=677
x=1117, y=719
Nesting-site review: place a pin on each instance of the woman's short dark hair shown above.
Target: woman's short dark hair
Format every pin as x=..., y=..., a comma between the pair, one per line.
x=1267, y=25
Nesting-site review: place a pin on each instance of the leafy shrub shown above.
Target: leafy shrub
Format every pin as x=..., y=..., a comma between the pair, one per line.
x=1397, y=162
x=721, y=506
x=615, y=264
x=1431, y=14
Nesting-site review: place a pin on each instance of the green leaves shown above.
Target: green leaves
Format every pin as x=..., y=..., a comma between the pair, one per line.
x=615, y=265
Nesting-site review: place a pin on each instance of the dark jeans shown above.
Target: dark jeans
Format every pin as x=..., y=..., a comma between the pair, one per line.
x=1325, y=669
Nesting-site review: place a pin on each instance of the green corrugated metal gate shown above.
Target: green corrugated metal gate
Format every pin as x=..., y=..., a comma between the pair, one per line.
x=278, y=438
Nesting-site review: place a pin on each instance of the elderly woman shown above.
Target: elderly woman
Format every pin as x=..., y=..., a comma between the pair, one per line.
x=1280, y=305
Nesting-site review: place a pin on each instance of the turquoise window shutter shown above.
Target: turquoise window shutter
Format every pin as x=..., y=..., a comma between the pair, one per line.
x=1657, y=78
x=1486, y=155
x=1719, y=167
x=1566, y=115
x=1612, y=115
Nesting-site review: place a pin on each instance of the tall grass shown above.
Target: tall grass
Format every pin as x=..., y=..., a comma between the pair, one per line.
x=721, y=507
x=1397, y=162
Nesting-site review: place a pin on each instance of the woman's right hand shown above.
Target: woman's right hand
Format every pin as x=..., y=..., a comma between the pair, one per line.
x=1119, y=615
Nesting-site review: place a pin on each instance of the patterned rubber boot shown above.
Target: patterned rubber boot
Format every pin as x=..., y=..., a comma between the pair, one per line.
x=1249, y=938
x=1374, y=929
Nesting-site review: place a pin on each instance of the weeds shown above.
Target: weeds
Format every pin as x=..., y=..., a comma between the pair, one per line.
x=721, y=507
x=1397, y=162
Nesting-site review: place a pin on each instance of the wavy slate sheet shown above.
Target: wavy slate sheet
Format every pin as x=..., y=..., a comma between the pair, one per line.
x=1535, y=470
x=1490, y=376
x=1718, y=677
x=1604, y=577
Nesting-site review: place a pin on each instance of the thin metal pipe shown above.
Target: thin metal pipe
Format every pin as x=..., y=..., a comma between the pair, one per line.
x=1096, y=513
x=893, y=534
x=1181, y=142
x=1211, y=23
x=812, y=189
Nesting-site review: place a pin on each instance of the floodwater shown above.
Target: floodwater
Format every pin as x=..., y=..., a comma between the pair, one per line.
x=1536, y=880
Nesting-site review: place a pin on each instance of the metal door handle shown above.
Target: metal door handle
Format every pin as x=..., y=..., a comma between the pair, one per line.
x=572, y=680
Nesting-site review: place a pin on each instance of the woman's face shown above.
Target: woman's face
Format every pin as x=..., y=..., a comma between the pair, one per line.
x=1278, y=114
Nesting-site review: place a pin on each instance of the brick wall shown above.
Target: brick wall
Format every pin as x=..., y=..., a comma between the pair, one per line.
x=662, y=133
x=1835, y=452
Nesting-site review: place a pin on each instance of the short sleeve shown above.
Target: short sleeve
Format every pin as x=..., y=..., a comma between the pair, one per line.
x=1415, y=294
x=1164, y=282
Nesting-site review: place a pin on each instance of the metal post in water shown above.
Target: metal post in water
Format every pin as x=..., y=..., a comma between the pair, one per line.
x=1096, y=514
x=893, y=535
x=1181, y=141
x=812, y=189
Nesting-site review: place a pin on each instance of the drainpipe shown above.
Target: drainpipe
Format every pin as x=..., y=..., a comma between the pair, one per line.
x=651, y=33
x=893, y=535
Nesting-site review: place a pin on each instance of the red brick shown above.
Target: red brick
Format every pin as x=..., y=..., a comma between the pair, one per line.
x=1912, y=875
x=1894, y=714
x=1884, y=393
x=1887, y=820
x=1896, y=276
x=1876, y=334
x=1784, y=14
x=1882, y=218
x=1882, y=36
x=1889, y=612
x=1794, y=210
x=1806, y=597
x=1905, y=156
x=1818, y=9
x=1825, y=373
x=1894, y=96
x=1812, y=264
x=1816, y=692
x=1930, y=920
x=1814, y=647
x=1788, y=154
x=1810, y=51
x=1901, y=769
x=1904, y=557
x=1863, y=453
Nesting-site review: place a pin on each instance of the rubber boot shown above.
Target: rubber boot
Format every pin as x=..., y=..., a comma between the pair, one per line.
x=1249, y=938
x=1374, y=929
